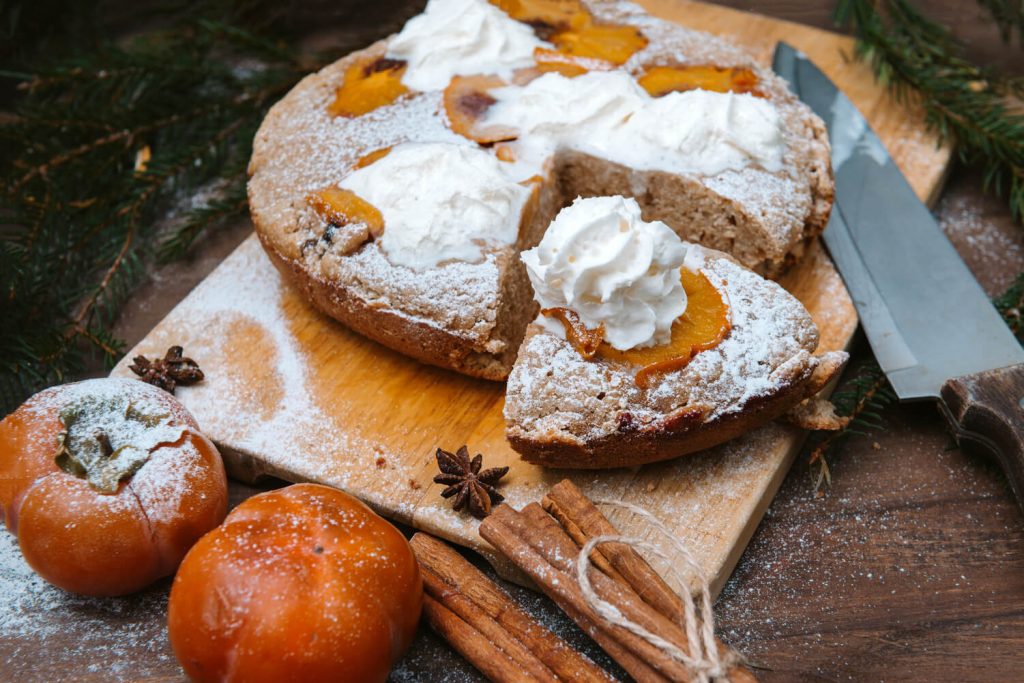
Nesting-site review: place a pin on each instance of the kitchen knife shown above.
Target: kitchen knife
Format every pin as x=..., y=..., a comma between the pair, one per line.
x=933, y=329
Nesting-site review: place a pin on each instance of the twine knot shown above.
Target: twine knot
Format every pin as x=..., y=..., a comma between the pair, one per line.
x=703, y=659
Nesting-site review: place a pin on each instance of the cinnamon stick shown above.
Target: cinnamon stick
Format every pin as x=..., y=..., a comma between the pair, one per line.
x=543, y=533
x=568, y=504
x=491, y=660
x=461, y=588
x=486, y=629
x=580, y=536
x=575, y=511
x=507, y=530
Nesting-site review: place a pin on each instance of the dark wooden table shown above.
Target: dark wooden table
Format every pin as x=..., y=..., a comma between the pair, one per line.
x=911, y=567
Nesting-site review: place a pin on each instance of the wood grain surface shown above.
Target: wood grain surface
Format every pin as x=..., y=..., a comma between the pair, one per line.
x=324, y=404
x=910, y=568
x=328, y=406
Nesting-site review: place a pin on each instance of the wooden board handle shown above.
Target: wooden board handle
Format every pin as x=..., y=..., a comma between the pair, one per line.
x=987, y=410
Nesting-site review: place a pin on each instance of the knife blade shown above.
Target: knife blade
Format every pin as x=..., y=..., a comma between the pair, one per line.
x=934, y=331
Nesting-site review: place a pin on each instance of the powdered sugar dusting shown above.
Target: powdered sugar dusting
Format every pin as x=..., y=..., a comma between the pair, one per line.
x=270, y=410
x=553, y=390
x=117, y=636
x=458, y=297
x=144, y=398
x=165, y=481
x=301, y=148
x=993, y=253
x=236, y=315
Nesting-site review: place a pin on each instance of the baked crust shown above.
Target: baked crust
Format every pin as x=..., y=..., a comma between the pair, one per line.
x=763, y=369
x=472, y=317
x=415, y=338
x=677, y=434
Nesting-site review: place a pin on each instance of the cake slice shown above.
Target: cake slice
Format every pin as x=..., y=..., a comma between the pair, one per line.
x=610, y=375
x=420, y=252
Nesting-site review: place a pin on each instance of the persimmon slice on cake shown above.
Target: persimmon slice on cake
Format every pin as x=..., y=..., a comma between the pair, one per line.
x=693, y=349
x=397, y=187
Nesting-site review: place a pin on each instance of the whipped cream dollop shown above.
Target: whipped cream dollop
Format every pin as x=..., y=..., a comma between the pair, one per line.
x=608, y=114
x=440, y=202
x=600, y=259
x=456, y=37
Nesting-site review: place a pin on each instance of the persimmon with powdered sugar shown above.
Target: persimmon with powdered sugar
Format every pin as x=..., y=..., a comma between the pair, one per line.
x=107, y=483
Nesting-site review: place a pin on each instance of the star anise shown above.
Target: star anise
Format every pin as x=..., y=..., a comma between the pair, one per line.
x=167, y=372
x=467, y=483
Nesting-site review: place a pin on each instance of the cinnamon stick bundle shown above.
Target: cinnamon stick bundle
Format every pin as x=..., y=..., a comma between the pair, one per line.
x=486, y=627
x=546, y=547
x=583, y=521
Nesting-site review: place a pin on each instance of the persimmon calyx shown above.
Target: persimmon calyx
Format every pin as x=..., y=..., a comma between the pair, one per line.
x=107, y=440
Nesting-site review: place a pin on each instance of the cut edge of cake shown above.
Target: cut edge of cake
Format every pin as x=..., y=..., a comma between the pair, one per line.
x=488, y=348
x=764, y=368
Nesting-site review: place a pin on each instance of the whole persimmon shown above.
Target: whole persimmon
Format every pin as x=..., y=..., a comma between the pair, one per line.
x=107, y=483
x=303, y=583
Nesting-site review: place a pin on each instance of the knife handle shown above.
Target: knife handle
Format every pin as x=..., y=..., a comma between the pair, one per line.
x=987, y=410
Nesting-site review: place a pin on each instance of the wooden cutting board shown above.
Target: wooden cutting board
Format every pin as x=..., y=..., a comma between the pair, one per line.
x=291, y=393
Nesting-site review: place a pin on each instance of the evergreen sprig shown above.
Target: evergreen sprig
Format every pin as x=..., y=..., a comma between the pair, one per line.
x=97, y=150
x=1008, y=15
x=965, y=103
x=920, y=61
x=1010, y=305
x=863, y=398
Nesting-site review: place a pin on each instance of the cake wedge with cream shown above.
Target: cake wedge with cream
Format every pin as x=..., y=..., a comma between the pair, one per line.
x=648, y=347
x=396, y=187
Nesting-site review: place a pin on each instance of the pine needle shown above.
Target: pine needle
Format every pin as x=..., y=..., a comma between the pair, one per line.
x=98, y=148
x=975, y=107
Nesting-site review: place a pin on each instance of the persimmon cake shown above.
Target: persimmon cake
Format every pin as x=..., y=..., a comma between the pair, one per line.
x=398, y=186
x=648, y=347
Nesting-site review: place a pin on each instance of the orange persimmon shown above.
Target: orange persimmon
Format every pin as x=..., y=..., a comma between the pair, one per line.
x=304, y=583
x=107, y=483
x=613, y=43
x=545, y=16
x=661, y=80
x=341, y=207
x=369, y=84
x=566, y=64
x=466, y=101
x=703, y=325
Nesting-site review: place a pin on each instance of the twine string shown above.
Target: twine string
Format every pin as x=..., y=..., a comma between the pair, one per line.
x=703, y=660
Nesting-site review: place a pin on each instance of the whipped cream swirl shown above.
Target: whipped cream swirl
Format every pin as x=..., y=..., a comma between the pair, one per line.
x=600, y=259
x=440, y=202
x=607, y=114
x=455, y=37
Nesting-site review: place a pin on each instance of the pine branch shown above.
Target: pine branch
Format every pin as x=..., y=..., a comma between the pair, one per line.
x=919, y=60
x=1010, y=305
x=863, y=399
x=98, y=149
x=1008, y=15
x=229, y=201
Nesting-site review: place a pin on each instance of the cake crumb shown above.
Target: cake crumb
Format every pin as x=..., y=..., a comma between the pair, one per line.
x=415, y=485
x=381, y=463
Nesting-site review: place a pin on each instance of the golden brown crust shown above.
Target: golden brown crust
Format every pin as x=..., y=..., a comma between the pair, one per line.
x=425, y=343
x=300, y=149
x=679, y=433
